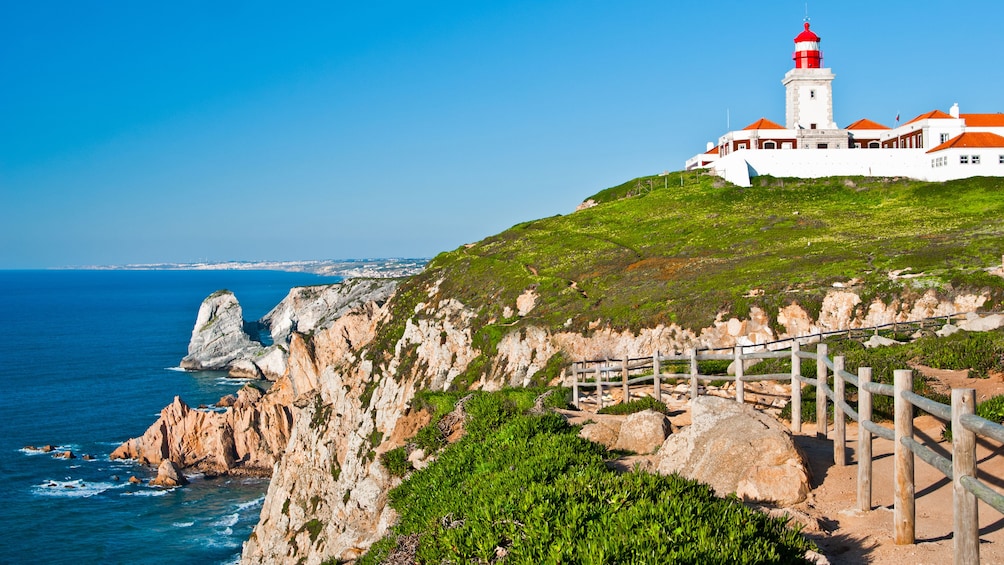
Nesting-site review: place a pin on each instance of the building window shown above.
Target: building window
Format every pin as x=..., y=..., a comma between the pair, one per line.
x=975, y=159
x=920, y=141
x=787, y=145
x=812, y=95
x=741, y=145
x=1001, y=159
x=822, y=146
x=874, y=145
x=963, y=159
x=944, y=137
x=769, y=145
x=812, y=126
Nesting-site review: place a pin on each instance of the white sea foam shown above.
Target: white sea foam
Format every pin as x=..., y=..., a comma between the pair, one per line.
x=227, y=521
x=147, y=492
x=72, y=488
x=178, y=369
x=251, y=504
x=183, y=524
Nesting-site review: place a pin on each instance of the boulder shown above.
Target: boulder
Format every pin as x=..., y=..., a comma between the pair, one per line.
x=975, y=323
x=604, y=433
x=245, y=369
x=736, y=449
x=134, y=481
x=226, y=401
x=643, y=432
x=879, y=341
x=65, y=455
x=168, y=475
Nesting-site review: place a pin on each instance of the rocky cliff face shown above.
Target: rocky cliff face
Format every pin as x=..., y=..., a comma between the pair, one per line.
x=251, y=434
x=352, y=388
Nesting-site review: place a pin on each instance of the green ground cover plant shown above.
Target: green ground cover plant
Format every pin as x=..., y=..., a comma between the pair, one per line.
x=655, y=251
x=643, y=403
x=526, y=486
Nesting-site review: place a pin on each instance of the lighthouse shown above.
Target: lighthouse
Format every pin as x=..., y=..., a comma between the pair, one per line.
x=809, y=92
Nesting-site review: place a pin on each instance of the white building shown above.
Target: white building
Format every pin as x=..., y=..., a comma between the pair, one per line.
x=935, y=146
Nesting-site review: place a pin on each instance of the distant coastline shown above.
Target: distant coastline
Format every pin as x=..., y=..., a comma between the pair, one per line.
x=347, y=268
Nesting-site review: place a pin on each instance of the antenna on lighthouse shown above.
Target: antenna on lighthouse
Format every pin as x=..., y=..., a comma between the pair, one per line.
x=806, y=11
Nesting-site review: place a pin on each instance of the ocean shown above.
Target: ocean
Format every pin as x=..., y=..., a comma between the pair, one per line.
x=88, y=359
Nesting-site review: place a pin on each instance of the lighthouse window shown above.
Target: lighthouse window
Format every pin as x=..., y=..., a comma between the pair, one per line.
x=964, y=159
x=976, y=159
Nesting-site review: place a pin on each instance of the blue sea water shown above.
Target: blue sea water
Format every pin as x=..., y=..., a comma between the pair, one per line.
x=87, y=360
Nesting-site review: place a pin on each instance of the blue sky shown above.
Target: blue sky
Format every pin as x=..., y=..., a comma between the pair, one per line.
x=241, y=130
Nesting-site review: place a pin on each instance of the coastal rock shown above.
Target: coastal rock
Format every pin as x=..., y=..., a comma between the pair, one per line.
x=219, y=337
x=247, y=438
x=133, y=480
x=169, y=475
x=604, y=433
x=737, y=449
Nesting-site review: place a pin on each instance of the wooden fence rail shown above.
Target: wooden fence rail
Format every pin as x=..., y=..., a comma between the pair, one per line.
x=965, y=425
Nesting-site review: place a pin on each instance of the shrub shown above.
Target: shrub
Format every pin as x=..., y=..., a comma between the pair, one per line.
x=396, y=462
x=643, y=403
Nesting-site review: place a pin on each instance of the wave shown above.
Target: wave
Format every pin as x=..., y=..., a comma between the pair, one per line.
x=251, y=504
x=183, y=524
x=73, y=488
x=227, y=521
x=178, y=369
x=148, y=492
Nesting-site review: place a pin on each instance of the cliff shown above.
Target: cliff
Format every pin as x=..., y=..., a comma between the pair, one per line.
x=704, y=265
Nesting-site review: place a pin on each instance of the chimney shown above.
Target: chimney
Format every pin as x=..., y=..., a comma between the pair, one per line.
x=954, y=111
x=710, y=146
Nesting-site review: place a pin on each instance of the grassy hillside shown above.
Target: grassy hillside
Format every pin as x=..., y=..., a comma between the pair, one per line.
x=658, y=252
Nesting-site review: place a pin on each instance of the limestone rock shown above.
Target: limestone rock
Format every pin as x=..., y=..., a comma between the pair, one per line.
x=975, y=323
x=168, y=475
x=245, y=369
x=219, y=337
x=133, y=480
x=947, y=330
x=643, y=432
x=309, y=308
x=736, y=449
x=879, y=341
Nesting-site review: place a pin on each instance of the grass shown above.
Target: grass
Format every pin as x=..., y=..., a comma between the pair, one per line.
x=650, y=254
x=529, y=486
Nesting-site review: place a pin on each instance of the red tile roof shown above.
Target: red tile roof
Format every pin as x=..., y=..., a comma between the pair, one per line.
x=937, y=114
x=984, y=120
x=865, y=123
x=712, y=151
x=973, y=139
x=763, y=123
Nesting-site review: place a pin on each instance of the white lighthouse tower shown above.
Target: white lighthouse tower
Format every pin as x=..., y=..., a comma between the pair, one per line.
x=809, y=95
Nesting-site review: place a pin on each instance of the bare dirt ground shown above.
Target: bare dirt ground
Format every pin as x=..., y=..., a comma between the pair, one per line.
x=846, y=535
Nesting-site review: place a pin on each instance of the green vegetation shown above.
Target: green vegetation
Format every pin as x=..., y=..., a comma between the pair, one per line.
x=980, y=352
x=643, y=403
x=528, y=485
x=396, y=462
x=990, y=409
x=653, y=251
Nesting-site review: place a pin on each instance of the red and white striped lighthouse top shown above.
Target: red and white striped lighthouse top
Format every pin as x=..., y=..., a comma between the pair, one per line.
x=807, y=54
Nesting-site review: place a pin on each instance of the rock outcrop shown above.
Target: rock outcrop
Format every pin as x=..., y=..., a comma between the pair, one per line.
x=247, y=438
x=737, y=449
x=219, y=337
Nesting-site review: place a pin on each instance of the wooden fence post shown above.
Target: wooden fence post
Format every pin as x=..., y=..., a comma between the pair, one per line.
x=599, y=385
x=965, y=509
x=864, y=440
x=656, y=390
x=740, y=389
x=904, y=513
x=575, y=385
x=693, y=374
x=821, y=419
x=626, y=395
x=839, y=423
x=796, y=389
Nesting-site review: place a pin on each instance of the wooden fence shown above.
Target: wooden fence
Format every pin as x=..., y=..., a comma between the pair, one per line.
x=965, y=425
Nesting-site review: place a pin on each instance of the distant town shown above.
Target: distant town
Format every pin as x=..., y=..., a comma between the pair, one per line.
x=348, y=268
